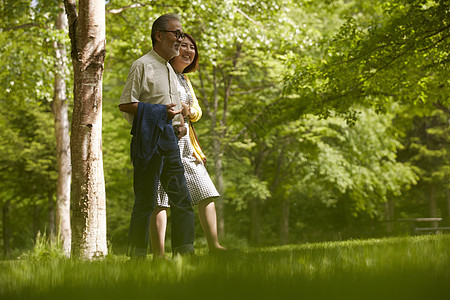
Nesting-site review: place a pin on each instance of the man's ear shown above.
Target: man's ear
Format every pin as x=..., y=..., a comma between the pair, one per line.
x=158, y=36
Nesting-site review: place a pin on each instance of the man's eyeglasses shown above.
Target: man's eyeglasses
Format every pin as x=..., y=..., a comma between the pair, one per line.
x=178, y=33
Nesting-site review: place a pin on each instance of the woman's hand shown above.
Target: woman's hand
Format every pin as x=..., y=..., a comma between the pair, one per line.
x=185, y=109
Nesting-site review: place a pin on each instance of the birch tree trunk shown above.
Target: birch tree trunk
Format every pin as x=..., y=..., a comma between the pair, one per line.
x=87, y=34
x=60, y=112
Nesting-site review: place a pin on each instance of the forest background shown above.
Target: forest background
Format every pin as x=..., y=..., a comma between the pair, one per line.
x=322, y=120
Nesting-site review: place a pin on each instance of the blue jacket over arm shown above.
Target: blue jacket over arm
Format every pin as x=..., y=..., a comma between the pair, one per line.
x=148, y=125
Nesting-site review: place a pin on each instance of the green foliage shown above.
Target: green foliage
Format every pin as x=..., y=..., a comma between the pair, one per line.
x=344, y=174
x=399, y=55
x=27, y=167
x=44, y=249
x=118, y=172
x=427, y=140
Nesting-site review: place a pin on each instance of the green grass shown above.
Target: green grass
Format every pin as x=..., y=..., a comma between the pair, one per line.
x=393, y=268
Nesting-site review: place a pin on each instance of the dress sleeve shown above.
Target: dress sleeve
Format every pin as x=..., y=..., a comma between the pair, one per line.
x=196, y=111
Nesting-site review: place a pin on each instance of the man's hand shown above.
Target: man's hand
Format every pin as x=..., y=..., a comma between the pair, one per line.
x=171, y=112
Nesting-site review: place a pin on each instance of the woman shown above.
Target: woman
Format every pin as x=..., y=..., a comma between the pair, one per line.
x=200, y=186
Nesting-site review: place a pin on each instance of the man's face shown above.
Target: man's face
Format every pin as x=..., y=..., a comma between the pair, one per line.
x=170, y=44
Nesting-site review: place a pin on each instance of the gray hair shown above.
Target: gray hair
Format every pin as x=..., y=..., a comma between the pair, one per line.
x=161, y=24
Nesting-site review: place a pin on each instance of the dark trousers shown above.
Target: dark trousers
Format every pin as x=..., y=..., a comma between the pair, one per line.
x=164, y=166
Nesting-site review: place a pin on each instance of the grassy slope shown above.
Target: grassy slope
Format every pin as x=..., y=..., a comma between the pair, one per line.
x=394, y=268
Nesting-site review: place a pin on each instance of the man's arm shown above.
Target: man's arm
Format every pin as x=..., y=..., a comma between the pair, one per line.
x=130, y=108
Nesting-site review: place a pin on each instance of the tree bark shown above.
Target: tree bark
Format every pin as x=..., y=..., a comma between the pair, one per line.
x=87, y=34
x=60, y=112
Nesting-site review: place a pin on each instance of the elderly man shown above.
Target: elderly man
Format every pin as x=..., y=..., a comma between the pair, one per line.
x=151, y=104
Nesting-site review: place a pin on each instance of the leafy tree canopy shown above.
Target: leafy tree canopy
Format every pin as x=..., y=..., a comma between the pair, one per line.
x=400, y=55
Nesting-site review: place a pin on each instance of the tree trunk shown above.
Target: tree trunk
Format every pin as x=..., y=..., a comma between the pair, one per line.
x=87, y=34
x=36, y=213
x=255, y=203
x=389, y=214
x=60, y=112
x=284, y=228
x=51, y=217
x=255, y=226
x=218, y=166
x=221, y=189
x=6, y=208
x=284, y=221
x=447, y=193
x=433, y=207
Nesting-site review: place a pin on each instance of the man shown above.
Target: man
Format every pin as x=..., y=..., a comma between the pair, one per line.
x=149, y=101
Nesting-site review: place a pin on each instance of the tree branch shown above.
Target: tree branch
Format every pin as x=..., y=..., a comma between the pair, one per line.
x=28, y=25
x=250, y=19
x=120, y=10
x=434, y=44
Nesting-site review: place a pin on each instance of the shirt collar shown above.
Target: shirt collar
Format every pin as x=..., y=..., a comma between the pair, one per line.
x=158, y=57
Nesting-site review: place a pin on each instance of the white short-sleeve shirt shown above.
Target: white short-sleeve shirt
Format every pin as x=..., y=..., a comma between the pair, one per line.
x=152, y=80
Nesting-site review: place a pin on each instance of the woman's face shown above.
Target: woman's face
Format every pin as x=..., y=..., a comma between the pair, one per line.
x=187, y=53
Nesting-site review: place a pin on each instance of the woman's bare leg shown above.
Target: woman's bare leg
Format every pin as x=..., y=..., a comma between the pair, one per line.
x=208, y=220
x=158, y=224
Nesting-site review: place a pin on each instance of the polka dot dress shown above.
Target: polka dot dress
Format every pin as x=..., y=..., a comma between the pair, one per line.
x=199, y=183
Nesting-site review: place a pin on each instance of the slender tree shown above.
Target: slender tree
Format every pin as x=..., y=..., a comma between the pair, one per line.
x=60, y=111
x=87, y=34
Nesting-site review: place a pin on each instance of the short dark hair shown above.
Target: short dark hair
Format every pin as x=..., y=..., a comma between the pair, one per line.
x=194, y=64
x=161, y=24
